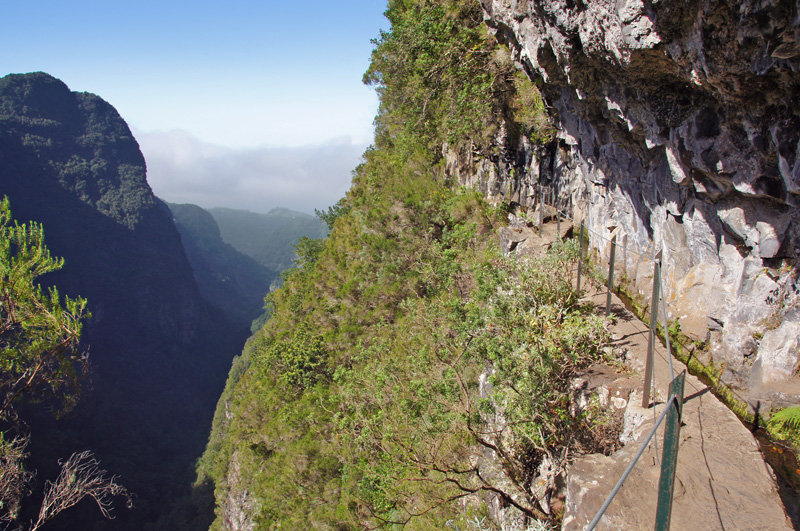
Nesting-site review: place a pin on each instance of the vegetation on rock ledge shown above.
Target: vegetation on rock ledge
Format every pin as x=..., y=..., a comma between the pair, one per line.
x=404, y=349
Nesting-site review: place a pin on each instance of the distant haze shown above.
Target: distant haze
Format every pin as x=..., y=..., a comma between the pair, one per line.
x=182, y=169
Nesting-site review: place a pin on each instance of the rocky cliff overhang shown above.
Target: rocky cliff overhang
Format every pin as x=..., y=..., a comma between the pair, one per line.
x=679, y=128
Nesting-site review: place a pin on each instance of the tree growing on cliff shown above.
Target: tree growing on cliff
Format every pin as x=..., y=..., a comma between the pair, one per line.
x=40, y=360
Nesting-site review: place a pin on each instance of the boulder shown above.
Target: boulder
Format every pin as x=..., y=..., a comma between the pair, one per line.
x=693, y=297
x=761, y=230
x=778, y=354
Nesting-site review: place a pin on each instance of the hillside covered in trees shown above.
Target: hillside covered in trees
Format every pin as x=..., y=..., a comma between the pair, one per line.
x=414, y=376
x=267, y=238
x=233, y=282
x=157, y=350
x=363, y=400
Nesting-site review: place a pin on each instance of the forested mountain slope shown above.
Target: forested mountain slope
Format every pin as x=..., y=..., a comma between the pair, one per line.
x=229, y=279
x=267, y=238
x=363, y=402
x=158, y=351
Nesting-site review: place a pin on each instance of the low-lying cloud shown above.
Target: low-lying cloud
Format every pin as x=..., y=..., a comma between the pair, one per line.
x=183, y=169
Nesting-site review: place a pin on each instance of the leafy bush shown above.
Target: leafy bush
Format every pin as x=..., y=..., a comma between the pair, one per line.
x=435, y=71
x=333, y=213
x=299, y=358
x=422, y=418
x=530, y=111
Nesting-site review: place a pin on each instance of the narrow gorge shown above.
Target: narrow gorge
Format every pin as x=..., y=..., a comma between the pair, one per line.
x=425, y=362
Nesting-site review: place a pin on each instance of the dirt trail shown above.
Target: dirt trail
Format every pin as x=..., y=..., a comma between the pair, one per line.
x=722, y=481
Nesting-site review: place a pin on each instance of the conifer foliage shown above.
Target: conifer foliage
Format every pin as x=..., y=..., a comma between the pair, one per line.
x=39, y=331
x=40, y=360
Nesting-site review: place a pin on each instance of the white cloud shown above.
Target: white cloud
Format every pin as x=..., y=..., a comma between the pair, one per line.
x=183, y=169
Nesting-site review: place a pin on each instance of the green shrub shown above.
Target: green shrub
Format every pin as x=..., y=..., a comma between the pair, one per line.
x=529, y=110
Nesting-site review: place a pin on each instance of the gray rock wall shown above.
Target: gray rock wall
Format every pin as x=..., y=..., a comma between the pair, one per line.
x=679, y=127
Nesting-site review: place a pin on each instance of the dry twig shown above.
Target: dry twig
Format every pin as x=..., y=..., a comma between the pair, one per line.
x=81, y=476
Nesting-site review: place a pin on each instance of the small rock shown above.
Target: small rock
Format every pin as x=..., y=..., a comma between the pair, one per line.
x=509, y=239
x=518, y=222
x=634, y=418
x=619, y=403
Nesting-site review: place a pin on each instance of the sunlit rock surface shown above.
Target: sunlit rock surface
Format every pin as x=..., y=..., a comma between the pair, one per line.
x=678, y=129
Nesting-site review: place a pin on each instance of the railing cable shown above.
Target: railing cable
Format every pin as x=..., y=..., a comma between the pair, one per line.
x=629, y=469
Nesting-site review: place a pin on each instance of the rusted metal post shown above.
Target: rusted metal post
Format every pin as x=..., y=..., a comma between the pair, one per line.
x=611, y=274
x=648, y=367
x=669, y=457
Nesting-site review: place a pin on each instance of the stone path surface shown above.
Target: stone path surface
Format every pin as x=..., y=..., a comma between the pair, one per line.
x=722, y=481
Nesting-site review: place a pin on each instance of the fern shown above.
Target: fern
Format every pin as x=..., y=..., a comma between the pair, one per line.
x=786, y=422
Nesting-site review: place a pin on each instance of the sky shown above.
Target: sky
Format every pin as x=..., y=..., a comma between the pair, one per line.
x=241, y=104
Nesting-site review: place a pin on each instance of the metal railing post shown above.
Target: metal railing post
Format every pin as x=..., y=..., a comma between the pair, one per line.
x=541, y=208
x=648, y=367
x=611, y=274
x=669, y=457
x=629, y=468
x=558, y=217
x=580, y=258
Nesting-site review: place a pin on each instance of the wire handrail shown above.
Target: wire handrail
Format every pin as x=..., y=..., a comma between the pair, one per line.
x=749, y=413
x=718, y=382
x=675, y=392
x=630, y=466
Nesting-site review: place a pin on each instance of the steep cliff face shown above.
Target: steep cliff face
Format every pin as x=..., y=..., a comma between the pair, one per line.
x=232, y=281
x=69, y=161
x=158, y=351
x=678, y=131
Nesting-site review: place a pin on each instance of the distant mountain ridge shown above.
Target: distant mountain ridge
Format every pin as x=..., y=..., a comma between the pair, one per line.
x=159, y=351
x=267, y=238
x=229, y=279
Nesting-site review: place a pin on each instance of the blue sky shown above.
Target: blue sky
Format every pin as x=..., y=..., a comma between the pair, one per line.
x=218, y=90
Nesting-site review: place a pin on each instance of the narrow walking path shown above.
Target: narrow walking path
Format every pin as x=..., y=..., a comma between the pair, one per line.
x=722, y=481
